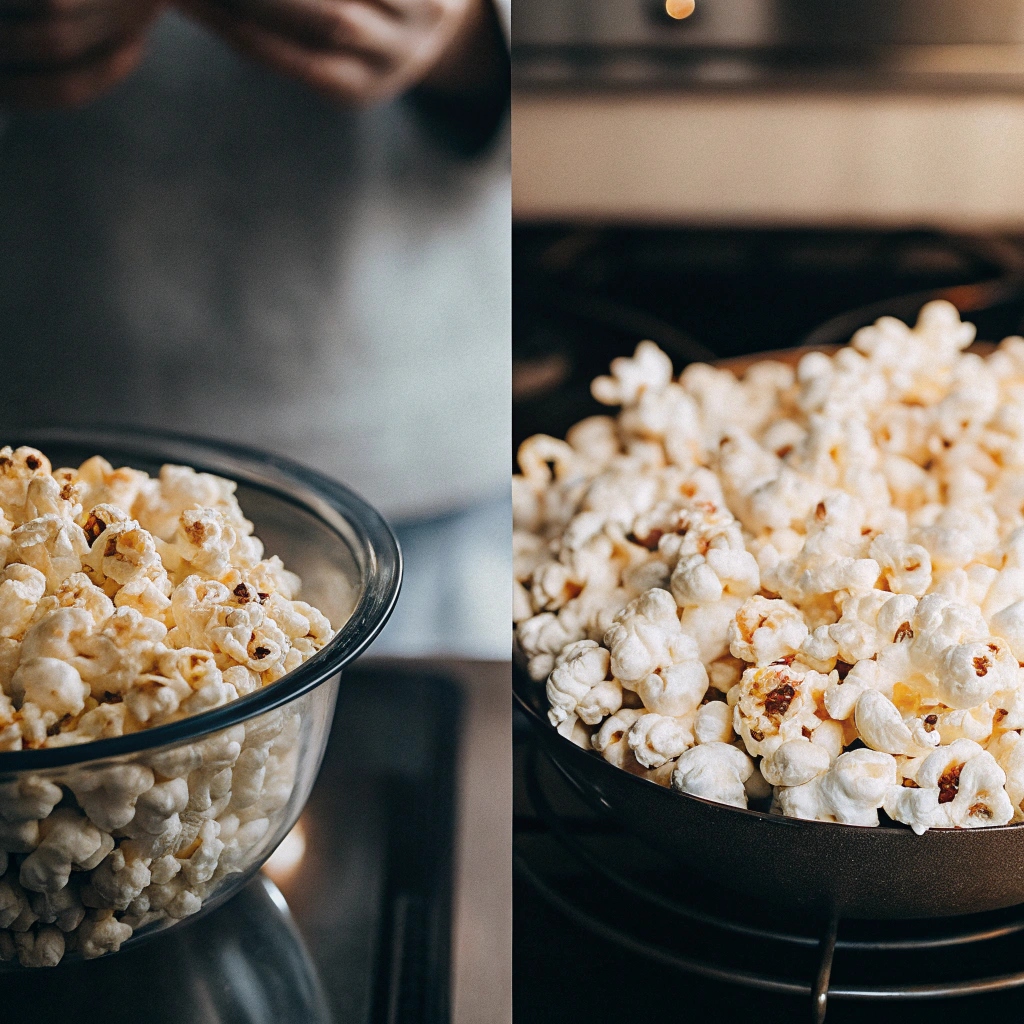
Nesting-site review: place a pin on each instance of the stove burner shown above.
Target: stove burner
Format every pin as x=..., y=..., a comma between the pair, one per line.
x=584, y=295
x=719, y=938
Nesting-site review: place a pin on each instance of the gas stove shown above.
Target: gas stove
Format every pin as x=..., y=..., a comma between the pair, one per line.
x=350, y=920
x=584, y=294
x=605, y=928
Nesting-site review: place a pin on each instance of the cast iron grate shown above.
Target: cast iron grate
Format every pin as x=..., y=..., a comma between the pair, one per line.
x=672, y=922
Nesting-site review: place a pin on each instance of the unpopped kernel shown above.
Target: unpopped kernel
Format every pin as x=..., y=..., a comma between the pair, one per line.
x=805, y=581
x=126, y=602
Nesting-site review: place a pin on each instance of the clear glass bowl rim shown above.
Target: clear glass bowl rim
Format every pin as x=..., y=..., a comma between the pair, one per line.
x=375, y=549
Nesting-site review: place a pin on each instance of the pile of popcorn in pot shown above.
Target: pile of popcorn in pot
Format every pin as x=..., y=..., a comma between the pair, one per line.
x=805, y=584
x=127, y=602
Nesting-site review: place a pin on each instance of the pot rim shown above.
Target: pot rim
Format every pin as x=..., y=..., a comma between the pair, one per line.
x=356, y=523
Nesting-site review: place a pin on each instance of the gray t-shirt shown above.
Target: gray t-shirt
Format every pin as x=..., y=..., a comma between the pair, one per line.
x=215, y=249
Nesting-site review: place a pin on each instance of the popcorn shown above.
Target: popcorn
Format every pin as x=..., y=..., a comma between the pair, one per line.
x=67, y=840
x=50, y=544
x=713, y=723
x=579, y=685
x=1008, y=624
x=101, y=933
x=648, y=370
x=851, y=791
x=52, y=685
x=882, y=727
x=676, y=690
x=694, y=582
x=109, y=795
x=30, y=798
x=41, y=948
x=116, y=882
x=856, y=634
x=126, y=602
x=775, y=704
x=15, y=911
x=18, y=468
x=21, y=590
x=714, y=771
x=709, y=626
x=611, y=741
x=655, y=739
x=959, y=786
x=766, y=631
x=646, y=636
x=971, y=672
x=63, y=908
x=543, y=637
x=1009, y=754
x=838, y=551
x=795, y=762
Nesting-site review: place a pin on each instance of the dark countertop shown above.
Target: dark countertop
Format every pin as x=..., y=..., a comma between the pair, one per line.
x=389, y=902
x=482, y=918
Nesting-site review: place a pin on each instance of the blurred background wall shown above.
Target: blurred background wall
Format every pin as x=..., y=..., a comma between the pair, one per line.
x=770, y=112
x=761, y=174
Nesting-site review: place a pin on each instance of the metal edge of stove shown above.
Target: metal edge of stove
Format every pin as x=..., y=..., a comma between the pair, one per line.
x=816, y=985
x=413, y=968
x=882, y=70
x=819, y=45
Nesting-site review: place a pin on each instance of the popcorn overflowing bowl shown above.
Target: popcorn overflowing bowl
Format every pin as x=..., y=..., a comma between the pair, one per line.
x=775, y=603
x=167, y=692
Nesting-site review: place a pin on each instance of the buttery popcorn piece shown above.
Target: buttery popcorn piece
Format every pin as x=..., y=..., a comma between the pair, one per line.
x=127, y=602
x=837, y=549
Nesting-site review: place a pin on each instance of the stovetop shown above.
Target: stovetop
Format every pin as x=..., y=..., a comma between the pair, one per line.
x=593, y=944
x=606, y=928
x=584, y=294
x=356, y=929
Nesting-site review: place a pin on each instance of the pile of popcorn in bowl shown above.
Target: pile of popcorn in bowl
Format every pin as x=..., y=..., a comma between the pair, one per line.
x=128, y=602
x=800, y=588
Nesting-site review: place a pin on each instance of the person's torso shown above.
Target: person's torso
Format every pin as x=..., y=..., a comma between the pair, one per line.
x=215, y=250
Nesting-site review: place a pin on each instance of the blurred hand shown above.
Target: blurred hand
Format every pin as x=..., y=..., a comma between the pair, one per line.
x=68, y=52
x=362, y=51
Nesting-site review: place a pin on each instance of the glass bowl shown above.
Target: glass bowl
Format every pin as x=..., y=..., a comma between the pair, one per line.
x=134, y=834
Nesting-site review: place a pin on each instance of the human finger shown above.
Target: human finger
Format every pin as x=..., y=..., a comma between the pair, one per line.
x=322, y=24
x=74, y=87
x=65, y=39
x=346, y=76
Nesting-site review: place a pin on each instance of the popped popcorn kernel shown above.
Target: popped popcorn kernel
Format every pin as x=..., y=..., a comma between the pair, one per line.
x=127, y=602
x=835, y=549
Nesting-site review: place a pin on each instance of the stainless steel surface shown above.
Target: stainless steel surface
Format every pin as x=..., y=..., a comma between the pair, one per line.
x=356, y=927
x=628, y=912
x=930, y=44
x=756, y=24
x=245, y=963
x=482, y=897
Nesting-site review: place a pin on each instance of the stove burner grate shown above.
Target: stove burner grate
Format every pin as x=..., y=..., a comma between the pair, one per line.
x=730, y=945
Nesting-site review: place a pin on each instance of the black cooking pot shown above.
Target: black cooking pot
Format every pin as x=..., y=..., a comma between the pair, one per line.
x=824, y=867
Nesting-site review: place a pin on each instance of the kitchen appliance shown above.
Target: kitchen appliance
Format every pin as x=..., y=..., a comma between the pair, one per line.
x=356, y=927
x=807, y=867
x=743, y=43
x=771, y=112
x=646, y=935
x=584, y=294
x=583, y=879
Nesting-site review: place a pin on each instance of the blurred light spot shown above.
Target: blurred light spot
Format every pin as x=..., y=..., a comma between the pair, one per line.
x=285, y=860
x=679, y=9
